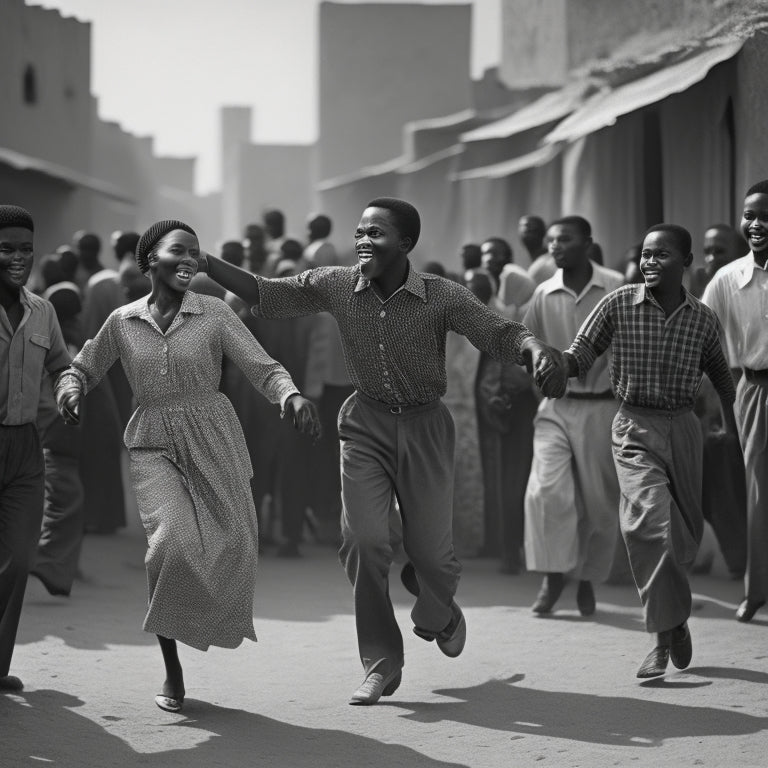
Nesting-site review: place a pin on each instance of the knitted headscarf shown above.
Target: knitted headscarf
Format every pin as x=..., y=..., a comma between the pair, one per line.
x=153, y=236
x=15, y=216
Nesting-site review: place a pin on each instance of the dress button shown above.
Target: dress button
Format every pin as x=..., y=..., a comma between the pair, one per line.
x=163, y=371
x=387, y=385
x=381, y=346
x=382, y=313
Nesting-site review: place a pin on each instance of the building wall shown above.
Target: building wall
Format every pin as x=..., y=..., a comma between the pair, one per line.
x=57, y=127
x=270, y=176
x=380, y=67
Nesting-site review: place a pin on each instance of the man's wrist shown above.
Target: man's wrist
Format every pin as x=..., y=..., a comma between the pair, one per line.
x=284, y=401
x=571, y=363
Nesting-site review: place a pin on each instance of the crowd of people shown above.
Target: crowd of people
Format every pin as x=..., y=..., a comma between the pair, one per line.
x=589, y=446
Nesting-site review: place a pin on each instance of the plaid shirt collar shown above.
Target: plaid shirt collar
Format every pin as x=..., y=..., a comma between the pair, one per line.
x=414, y=283
x=643, y=294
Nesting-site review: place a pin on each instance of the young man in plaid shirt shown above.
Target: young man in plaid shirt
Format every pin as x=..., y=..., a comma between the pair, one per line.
x=662, y=339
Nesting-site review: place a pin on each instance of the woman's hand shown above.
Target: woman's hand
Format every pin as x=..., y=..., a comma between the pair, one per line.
x=68, y=391
x=303, y=414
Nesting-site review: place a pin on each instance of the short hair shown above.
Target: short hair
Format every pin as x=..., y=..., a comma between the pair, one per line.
x=471, y=255
x=434, y=268
x=481, y=285
x=761, y=188
x=579, y=223
x=535, y=220
x=274, y=220
x=126, y=243
x=51, y=271
x=15, y=216
x=68, y=260
x=233, y=252
x=501, y=243
x=291, y=249
x=680, y=235
x=407, y=219
x=88, y=241
x=319, y=226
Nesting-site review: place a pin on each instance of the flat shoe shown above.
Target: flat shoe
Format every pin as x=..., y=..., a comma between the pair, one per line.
x=452, y=639
x=681, y=648
x=748, y=608
x=168, y=703
x=655, y=662
x=551, y=589
x=585, y=598
x=376, y=685
x=11, y=684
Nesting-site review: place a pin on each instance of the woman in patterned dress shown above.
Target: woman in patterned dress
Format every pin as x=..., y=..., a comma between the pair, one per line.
x=189, y=462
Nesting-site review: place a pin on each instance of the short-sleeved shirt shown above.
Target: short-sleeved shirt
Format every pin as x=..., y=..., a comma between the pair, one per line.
x=738, y=294
x=658, y=361
x=556, y=313
x=36, y=346
x=394, y=347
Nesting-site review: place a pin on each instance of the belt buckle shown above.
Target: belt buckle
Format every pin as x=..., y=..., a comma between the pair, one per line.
x=396, y=409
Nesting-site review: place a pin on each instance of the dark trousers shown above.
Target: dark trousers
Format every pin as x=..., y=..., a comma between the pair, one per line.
x=292, y=485
x=21, y=509
x=58, y=551
x=506, y=462
x=324, y=465
x=409, y=455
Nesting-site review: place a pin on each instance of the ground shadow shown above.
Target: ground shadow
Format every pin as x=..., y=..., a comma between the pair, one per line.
x=43, y=726
x=505, y=706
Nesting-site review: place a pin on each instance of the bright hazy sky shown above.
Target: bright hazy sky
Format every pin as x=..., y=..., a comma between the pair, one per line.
x=164, y=67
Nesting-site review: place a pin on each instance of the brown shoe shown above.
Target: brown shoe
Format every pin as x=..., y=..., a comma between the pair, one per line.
x=585, y=598
x=551, y=589
x=452, y=639
x=748, y=608
x=377, y=685
x=655, y=663
x=681, y=647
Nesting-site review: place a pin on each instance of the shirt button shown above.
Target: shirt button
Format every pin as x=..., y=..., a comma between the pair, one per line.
x=387, y=385
x=165, y=347
x=382, y=313
x=381, y=346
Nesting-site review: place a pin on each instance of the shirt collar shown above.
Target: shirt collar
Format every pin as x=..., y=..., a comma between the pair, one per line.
x=643, y=294
x=747, y=269
x=190, y=305
x=555, y=283
x=414, y=284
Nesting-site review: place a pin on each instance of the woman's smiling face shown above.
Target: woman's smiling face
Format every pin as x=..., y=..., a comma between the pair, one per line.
x=174, y=260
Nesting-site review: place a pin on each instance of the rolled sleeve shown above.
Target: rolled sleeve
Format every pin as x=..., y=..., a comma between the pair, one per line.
x=287, y=297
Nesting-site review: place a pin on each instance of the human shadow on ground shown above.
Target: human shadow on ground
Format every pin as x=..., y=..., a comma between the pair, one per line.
x=503, y=705
x=43, y=726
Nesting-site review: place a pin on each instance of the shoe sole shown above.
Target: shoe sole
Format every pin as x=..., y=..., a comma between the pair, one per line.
x=461, y=630
x=168, y=703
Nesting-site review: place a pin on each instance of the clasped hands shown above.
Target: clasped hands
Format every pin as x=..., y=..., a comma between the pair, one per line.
x=304, y=416
x=68, y=391
x=548, y=366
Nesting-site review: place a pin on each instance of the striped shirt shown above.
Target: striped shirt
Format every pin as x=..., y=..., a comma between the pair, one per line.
x=395, y=347
x=658, y=361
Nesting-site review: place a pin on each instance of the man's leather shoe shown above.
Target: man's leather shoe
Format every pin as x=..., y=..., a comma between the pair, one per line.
x=681, y=648
x=655, y=663
x=452, y=639
x=551, y=589
x=748, y=608
x=585, y=598
x=377, y=685
x=10, y=684
x=409, y=578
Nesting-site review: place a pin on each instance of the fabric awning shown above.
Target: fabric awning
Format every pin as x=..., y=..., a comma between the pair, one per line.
x=538, y=157
x=22, y=162
x=605, y=107
x=546, y=109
